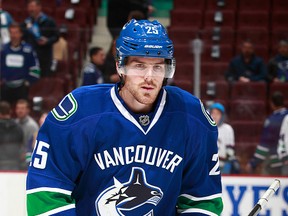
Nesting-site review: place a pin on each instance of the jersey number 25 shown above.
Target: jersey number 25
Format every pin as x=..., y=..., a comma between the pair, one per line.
x=215, y=170
x=41, y=155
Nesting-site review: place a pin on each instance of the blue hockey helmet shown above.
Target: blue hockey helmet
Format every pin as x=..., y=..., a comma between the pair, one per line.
x=218, y=106
x=221, y=108
x=145, y=38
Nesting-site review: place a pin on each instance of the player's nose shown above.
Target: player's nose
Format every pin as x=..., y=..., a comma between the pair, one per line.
x=148, y=75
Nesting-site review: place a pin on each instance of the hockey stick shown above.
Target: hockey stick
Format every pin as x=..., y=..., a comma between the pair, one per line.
x=264, y=199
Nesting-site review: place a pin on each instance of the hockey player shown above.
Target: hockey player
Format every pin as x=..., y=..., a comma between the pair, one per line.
x=266, y=152
x=283, y=145
x=226, y=142
x=137, y=147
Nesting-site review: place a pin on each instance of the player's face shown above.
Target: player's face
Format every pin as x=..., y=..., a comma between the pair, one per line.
x=216, y=115
x=143, y=79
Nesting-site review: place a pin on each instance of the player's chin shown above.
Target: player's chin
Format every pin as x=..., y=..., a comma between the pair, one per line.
x=148, y=98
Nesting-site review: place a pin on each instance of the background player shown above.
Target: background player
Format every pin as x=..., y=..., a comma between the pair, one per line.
x=131, y=148
x=226, y=141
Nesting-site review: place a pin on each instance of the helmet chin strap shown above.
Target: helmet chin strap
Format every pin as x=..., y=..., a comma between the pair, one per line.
x=122, y=81
x=164, y=83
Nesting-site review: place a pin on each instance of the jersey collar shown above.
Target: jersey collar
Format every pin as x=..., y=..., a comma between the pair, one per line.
x=119, y=103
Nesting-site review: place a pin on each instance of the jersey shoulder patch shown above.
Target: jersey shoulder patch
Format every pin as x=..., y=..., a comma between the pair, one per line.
x=207, y=115
x=66, y=108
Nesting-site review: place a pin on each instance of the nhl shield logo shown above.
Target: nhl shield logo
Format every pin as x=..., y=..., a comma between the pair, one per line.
x=144, y=120
x=134, y=197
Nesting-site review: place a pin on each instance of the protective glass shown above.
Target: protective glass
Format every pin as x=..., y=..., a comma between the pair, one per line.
x=165, y=69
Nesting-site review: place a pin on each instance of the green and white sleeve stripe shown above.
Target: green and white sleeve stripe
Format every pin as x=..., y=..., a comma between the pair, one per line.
x=46, y=201
x=210, y=205
x=261, y=152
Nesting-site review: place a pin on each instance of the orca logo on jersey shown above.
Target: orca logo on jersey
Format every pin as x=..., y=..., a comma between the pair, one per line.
x=66, y=108
x=135, y=197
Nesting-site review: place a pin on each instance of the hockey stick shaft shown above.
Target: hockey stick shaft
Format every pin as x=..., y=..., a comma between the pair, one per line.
x=265, y=198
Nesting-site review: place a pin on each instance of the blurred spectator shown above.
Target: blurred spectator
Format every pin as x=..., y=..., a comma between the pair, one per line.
x=145, y=6
x=118, y=13
x=41, y=31
x=19, y=67
x=110, y=74
x=32, y=140
x=283, y=145
x=5, y=21
x=91, y=72
x=136, y=14
x=278, y=65
x=60, y=48
x=11, y=139
x=247, y=66
x=226, y=142
x=266, y=151
x=27, y=123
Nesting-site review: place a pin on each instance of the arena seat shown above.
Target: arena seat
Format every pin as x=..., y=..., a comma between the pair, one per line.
x=219, y=35
x=79, y=16
x=213, y=71
x=184, y=71
x=247, y=136
x=279, y=5
x=183, y=52
x=214, y=90
x=256, y=91
x=50, y=11
x=50, y=89
x=80, y=19
x=279, y=19
x=247, y=110
x=255, y=5
x=259, y=37
x=245, y=150
x=226, y=53
x=186, y=17
x=50, y=4
x=182, y=35
x=247, y=131
x=186, y=85
x=18, y=14
x=184, y=4
x=11, y=4
x=277, y=34
x=228, y=18
x=63, y=72
x=229, y=5
x=253, y=19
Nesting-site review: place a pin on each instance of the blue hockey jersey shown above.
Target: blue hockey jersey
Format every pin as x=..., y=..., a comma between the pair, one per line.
x=19, y=64
x=269, y=140
x=94, y=157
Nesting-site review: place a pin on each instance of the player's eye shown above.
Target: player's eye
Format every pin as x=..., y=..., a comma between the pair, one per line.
x=140, y=66
x=158, y=68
